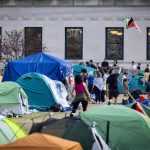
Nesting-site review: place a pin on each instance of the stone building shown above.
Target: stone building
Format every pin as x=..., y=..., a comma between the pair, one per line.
x=79, y=30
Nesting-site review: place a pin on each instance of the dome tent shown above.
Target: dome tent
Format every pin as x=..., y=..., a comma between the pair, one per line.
x=38, y=141
x=52, y=67
x=122, y=128
x=41, y=91
x=13, y=98
x=10, y=131
x=72, y=129
x=78, y=68
x=128, y=129
x=136, y=83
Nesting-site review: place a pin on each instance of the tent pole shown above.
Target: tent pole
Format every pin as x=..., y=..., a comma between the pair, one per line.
x=107, y=132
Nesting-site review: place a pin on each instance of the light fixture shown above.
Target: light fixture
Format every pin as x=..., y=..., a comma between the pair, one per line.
x=116, y=32
x=113, y=32
x=119, y=33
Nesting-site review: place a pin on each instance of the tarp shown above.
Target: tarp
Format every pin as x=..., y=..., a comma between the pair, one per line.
x=77, y=69
x=10, y=131
x=123, y=127
x=42, y=142
x=54, y=68
x=41, y=91
x=13, y=98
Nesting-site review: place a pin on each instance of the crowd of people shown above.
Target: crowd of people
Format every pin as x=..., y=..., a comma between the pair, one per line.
x=102, y=83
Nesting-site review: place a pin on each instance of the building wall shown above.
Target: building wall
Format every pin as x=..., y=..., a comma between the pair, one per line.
x=93, y=19
x=74, y=2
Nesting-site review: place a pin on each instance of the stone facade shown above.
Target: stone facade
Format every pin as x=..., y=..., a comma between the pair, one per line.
x=94, y=18
x=75, y=2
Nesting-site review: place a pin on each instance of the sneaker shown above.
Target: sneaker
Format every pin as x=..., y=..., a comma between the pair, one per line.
x=93, y=102
x=71, y=115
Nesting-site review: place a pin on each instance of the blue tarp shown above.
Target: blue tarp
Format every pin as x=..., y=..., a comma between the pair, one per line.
x=52, y=67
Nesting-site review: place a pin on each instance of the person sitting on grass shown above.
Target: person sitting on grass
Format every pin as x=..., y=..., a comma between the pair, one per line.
x=81, y=94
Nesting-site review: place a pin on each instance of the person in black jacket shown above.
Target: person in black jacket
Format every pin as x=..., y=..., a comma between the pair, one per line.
x=112, y=85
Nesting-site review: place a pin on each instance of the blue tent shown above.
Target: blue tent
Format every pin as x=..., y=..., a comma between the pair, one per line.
x=54, y=68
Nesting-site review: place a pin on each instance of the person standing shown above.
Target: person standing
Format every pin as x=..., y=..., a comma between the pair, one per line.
x=103, y=93
x=90, y=81
x=98, y=86
x=112, y=85
x=146, y=76
x=115, y=63
x=139, y=66
x=133, y=66
x=125, y=84
x=105, y=64
x=98, y=67
x=147, y=67
x=81, y=94
x=84, y=76
x=128, y=75
x=92, y=64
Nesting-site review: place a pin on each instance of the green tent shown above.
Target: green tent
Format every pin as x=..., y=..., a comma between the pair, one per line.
x=13, y=98
x=122, y=127
x=10, y=131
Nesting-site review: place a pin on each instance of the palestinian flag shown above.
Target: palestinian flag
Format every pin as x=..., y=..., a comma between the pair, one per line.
x=139, y=108
x=130, y=23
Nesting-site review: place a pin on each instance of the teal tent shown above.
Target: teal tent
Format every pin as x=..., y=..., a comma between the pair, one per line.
x=77, y=69
x=121, y=127
x=41, y=91
x=136, y=83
